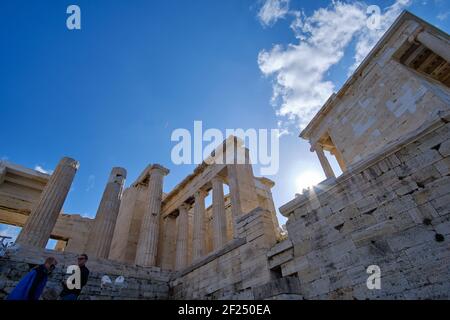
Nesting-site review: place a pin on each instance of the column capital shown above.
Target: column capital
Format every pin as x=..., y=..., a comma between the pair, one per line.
x=413, y=37
x=316, y=146
x=267, y=182
x=117, y=175
x=66, y=161
x=158, y=168
x=200, y=193
x=119, y=171
x=183, y=207
x=172, y=215
x=217, y=179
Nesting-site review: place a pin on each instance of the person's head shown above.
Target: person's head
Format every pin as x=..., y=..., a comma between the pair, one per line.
x=50, y=264
x=82, y=259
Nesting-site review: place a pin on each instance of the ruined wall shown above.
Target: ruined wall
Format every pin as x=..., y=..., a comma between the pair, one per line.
x=74, y=229
x=233, y=271
x=140, y=283
x=393, y=211
x=385, y=95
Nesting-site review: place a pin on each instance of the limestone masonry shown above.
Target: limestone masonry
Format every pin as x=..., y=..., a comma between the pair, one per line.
x=389, y=129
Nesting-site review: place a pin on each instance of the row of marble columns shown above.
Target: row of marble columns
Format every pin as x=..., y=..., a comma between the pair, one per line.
x=39, y=225
x=199, y=228
x=44, y=215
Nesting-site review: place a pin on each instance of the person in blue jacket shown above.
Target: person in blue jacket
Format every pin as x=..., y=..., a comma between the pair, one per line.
x=31, y=286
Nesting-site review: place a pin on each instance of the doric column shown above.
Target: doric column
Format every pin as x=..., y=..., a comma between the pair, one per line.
x=199, y=230
x=120, y=240
x=148, y=236
x=169, y=242
x=243, y=193
x=435, y=44
x=40, y=223
x=182, y=238
x=209, y=232
x=219, y=219
x=60, y=245
x=339, y=159
x=324, y=161
x=101, y=234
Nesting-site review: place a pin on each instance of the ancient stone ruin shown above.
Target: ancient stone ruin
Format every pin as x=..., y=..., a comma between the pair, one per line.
x=388, y=128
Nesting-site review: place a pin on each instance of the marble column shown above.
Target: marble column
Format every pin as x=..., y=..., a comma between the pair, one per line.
x=241, y=181
x=268, y=203
x=339, y=159
x=182, y=238
x=324, y=161
x=102, y=231
x=60, y=245
x=199, y=230
x=219, y=219
x=169, y=242
x=149, y=233
x=40, y=223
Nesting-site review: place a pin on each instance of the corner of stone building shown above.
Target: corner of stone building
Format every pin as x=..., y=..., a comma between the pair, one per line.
x=257, y=228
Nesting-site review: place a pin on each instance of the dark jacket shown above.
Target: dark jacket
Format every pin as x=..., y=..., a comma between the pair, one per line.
x=84, y=279
x=31, y=286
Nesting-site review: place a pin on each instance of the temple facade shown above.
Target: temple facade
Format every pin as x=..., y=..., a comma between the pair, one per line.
x=388, y=128
x=138, y=225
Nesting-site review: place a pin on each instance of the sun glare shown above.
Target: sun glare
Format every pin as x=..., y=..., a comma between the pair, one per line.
x=308, y=179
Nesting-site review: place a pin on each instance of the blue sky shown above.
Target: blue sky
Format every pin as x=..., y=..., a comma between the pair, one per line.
x=111, y=93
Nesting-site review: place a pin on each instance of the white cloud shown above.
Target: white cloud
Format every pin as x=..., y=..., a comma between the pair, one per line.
x=299, y=70
x=443, y=15
x=42, y=170
x=90, y=183
x=366, y=39
x=272, y=10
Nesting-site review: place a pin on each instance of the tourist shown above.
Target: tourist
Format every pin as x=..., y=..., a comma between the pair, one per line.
x=32, y=285
x=72, y=294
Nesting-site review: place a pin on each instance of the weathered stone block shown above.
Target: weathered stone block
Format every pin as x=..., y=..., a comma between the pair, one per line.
x=287, y=285
x=443, y=166
x=444, y=149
